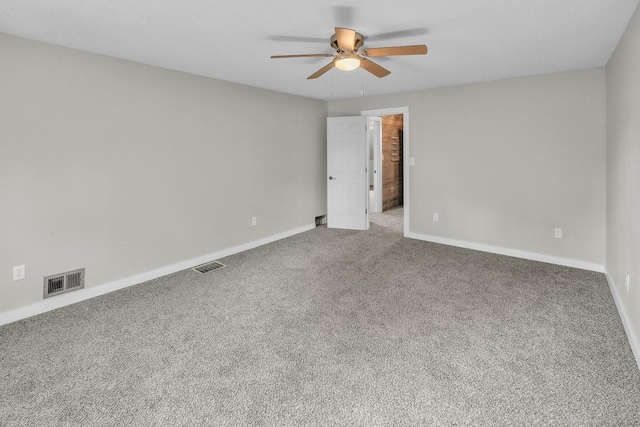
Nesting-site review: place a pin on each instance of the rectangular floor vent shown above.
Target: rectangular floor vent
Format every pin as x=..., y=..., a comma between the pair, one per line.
x=209, y=266
x=62, y=283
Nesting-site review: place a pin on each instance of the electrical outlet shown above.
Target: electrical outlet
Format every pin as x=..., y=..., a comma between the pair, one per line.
x=558, y=233
x=254, y=220
x=19, y=272
x=626, y=281
x=412, y=161
x=435, y=217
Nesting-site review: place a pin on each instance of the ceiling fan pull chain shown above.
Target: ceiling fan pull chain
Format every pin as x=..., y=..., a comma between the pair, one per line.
x=332, y=83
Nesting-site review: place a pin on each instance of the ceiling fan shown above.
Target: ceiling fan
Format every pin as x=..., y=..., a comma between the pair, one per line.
x=348, y=56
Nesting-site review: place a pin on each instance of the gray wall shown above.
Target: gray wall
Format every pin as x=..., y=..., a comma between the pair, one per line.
x=123, y=168
x=623, y=175
x=506, y=162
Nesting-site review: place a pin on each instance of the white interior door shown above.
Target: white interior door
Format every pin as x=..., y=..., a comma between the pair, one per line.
x=348, y=180
x=375, y=138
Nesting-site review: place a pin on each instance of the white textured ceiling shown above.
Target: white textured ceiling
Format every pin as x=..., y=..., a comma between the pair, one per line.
x=468, y=40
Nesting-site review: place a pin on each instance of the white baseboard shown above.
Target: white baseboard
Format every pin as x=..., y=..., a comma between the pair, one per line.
x=87, y=293
x=634, y=340
x=509, y=252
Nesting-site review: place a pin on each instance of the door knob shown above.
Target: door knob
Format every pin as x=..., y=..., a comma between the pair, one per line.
x=330, y=178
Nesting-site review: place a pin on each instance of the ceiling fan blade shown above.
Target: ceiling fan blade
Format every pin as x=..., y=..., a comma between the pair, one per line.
x=321, y=71
x=310, y=55
x=398, y=34
x=346, y=38
x=374, y=68
x=397, y=50
x=298, y=39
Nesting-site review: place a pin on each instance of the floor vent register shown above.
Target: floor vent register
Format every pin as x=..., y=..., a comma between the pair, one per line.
x=209, y=266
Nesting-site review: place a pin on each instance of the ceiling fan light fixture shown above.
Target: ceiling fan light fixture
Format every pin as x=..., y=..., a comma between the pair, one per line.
x=347, y=62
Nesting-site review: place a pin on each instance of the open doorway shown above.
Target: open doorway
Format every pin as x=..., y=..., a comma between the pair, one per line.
x=388, y=159
x=385, y=162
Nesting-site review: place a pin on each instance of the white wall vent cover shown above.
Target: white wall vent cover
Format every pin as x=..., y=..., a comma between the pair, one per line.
x=63, y=283
x=209, y=266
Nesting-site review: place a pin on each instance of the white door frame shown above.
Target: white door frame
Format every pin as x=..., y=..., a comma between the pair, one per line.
x=375, y=127
x=405, y=153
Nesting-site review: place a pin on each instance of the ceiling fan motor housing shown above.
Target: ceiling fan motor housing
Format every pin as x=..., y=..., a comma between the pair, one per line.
x=358, y=42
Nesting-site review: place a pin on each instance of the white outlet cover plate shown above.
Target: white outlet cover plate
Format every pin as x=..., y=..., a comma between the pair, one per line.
x=18, y=272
